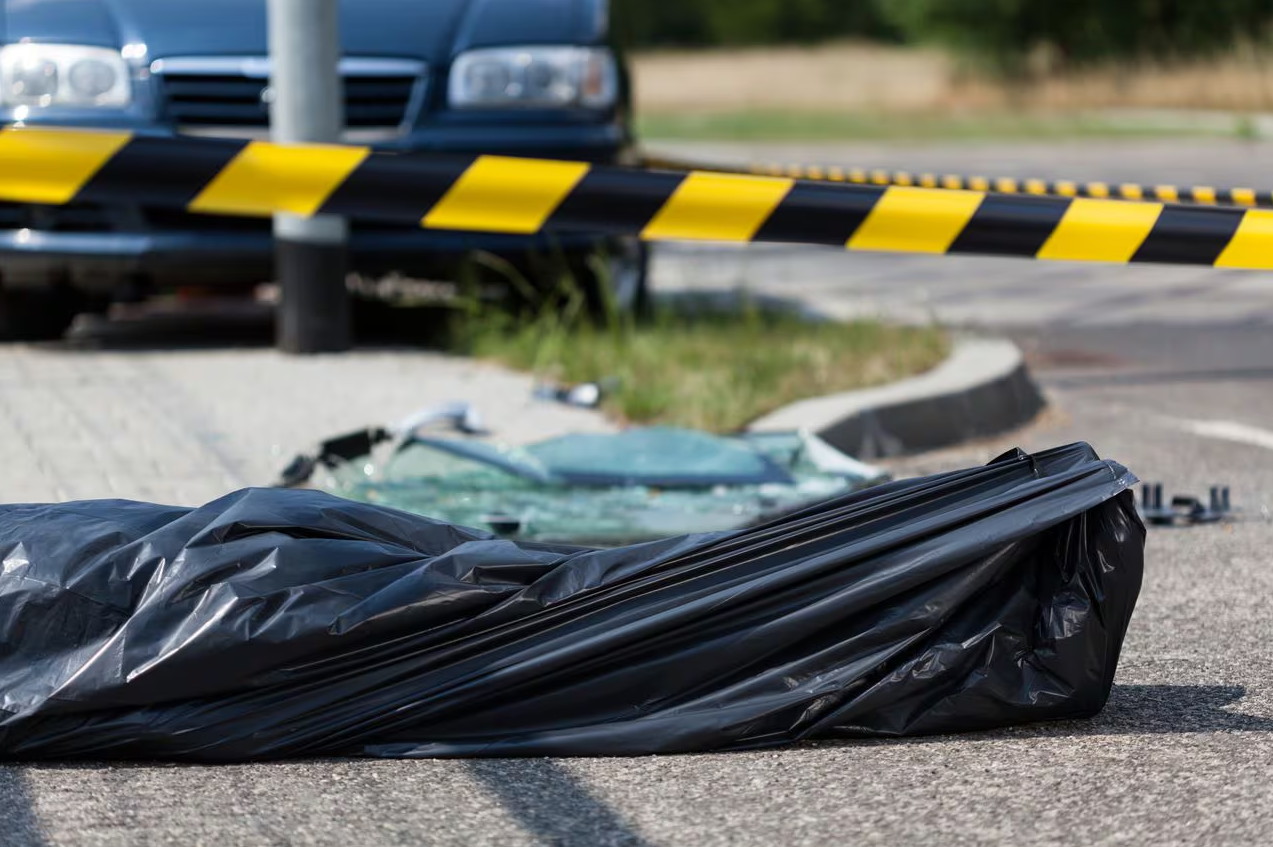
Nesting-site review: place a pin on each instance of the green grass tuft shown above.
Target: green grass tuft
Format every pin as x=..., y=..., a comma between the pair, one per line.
x=695, y=366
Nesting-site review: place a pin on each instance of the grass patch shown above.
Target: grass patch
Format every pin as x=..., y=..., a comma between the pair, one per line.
x=773, y=125
x=699, y=367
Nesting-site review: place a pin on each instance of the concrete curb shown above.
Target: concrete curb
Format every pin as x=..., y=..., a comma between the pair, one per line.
x=981, y=390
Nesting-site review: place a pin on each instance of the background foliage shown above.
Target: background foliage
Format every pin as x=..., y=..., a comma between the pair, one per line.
x=685, y=23
x=998, y=32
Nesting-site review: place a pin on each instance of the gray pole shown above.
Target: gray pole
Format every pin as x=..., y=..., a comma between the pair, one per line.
x=308, y=106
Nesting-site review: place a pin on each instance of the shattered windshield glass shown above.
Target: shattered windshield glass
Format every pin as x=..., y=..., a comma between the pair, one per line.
x=657, y=456
x=603, y=490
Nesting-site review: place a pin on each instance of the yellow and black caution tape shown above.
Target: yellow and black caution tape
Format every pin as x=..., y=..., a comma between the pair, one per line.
x=1197, y=195
x=499, y=194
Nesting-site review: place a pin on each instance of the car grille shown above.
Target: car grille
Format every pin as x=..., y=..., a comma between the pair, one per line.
x=208, y=93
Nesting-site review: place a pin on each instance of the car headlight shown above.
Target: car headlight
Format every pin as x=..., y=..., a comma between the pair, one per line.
x=38, y=75
x=536, y=77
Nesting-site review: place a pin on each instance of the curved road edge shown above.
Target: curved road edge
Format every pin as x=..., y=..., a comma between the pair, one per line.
x=982, y=389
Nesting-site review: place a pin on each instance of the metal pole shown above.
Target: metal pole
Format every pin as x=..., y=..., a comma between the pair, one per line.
x=307, y=105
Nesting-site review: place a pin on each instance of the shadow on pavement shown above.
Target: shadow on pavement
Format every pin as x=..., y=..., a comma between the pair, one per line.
x=238, y=324
x=1170, y=709
x=18, y=820
x=1154, y=710
x=243, y=324
x=555, y=807
x=166, y=325
x=551, y=803
x=1132, y=710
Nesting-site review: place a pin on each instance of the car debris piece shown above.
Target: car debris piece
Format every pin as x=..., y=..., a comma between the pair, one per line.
x=1185, y=509
x=285, y=623
x=584, y=395
x=460, y=416
x=598, y=489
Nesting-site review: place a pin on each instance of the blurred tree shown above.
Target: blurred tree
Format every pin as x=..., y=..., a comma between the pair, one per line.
x=647, y=23
x=1007, y=32
x=767, y=21
x=999, y=32
x=644, y=23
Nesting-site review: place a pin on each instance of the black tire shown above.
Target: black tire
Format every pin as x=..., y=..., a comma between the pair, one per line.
x=612, y=279
x=37, y=314
x=617, y=281
x=639, y=299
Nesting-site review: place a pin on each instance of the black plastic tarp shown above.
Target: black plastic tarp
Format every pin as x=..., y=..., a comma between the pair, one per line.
x=275, y=623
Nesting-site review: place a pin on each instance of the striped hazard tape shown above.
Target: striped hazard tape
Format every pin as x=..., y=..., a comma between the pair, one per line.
x=1198, y=195
x=525, y=196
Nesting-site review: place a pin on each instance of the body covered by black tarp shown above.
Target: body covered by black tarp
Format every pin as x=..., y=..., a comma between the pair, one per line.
x=292, y=623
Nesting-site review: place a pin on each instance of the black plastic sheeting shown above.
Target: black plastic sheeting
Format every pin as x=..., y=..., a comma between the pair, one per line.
x=276, y=623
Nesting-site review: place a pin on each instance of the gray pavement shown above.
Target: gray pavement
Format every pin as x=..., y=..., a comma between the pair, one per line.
x=152, y=418
x=1179, y=391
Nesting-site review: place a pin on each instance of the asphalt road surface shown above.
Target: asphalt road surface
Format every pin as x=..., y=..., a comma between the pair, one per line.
x=1167, y=370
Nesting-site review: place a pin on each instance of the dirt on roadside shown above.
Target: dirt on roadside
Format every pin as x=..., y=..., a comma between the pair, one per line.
x=841, y=77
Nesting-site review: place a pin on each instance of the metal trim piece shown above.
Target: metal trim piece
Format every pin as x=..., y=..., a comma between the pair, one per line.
x=258, y=67
x=357, y=135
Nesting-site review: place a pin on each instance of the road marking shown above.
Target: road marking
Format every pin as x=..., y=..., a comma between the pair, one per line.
x=1230, y=431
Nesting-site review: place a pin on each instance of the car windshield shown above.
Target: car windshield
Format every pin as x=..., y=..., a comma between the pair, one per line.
x=606, y=488
x=658, y=456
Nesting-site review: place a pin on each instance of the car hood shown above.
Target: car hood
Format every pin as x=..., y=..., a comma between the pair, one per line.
x=433, y=30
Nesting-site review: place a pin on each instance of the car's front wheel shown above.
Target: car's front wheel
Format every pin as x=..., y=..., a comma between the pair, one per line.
x=615, y=281
x=41, y=314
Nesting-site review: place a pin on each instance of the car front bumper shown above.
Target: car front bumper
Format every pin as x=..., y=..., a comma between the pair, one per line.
x=100, y=260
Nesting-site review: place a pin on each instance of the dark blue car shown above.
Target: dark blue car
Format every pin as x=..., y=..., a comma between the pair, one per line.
x=518, y=77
